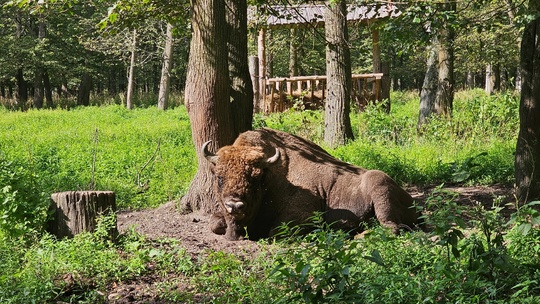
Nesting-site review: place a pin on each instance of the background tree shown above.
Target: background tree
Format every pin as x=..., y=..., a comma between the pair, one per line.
x=527, y=160
x=164, y=83
x=337, y=124
x=440, y=66
x=131, y=76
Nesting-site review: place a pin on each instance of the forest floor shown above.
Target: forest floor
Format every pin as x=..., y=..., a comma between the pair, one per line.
x=194, y=235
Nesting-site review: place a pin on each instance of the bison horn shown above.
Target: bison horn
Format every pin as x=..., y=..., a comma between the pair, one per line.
x=209, y=156
x=273, y=159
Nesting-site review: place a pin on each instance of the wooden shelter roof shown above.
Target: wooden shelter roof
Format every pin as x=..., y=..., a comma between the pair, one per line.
x=286, y=16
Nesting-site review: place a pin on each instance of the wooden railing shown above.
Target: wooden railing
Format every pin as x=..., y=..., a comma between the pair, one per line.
x=309, y=91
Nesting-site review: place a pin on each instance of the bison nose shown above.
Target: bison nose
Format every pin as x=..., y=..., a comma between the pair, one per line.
x=234, y=206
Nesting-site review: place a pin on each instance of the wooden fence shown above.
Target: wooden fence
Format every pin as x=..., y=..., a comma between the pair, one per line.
x=308, y=92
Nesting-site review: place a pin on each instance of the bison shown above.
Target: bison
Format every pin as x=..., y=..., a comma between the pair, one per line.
x=268, y=177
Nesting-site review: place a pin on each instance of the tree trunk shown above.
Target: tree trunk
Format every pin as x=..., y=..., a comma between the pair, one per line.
x=294, y=47
x=512, y=11
x=241, y=91
x=381, y=67
x=527, y=157
x=83, y=96
x=48, y=90
x=469, y=80
x=77, y=211
x=21, y=94
x=444, y=99
x=490, y=79
x=38, y=88
x=261, y=53
x=39, y=93
x=429, y=87
x=131, y=77
x=207, y=97
x=254, y=72
x=337, y=124
x=164, y=83
x=437, y=95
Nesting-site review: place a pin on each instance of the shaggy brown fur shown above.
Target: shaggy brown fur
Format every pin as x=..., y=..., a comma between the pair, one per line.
x=260, y=196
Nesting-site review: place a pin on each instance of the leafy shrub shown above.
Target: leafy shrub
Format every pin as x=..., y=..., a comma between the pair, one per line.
x=23, y=206
x=319, y=269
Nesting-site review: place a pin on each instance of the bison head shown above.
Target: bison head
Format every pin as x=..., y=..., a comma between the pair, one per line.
x=239, y=172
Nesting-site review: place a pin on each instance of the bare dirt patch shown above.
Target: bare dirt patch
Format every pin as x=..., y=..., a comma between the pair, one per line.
x=193, y=233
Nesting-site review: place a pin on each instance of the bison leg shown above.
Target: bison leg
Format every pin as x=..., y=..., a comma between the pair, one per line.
x=234, y=231
x=218, y=225
x=226, y=225
x=396, y=212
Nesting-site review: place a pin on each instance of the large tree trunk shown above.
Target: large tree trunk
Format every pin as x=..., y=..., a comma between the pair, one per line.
x=337, y=124
x=241, y=86
x=131, y=77
x=207, y=97
x=527, y=159
x=164, y=83
x=77, y=211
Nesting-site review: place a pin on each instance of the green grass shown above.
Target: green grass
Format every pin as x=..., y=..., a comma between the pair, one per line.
x=145, y=155
x=475, y=147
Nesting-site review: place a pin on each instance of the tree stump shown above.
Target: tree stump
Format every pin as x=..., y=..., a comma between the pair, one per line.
x=77, y=211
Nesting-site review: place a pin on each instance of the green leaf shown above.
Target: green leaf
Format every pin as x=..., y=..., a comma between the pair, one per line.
x=113, y=17
x=524, y=228
x=375, y=257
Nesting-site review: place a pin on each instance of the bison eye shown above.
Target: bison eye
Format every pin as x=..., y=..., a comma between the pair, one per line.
x=220, y=181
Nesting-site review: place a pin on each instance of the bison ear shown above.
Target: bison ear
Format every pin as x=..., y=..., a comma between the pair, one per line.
x=274, y=159
x=209, y=156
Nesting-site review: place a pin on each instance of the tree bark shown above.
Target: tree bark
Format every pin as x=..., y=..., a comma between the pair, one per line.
x=207, y=97
x=77, y=211
x=164, y=83
x=527, y=157
x=254, y=73
x=444, y=99
x=429, y=87
x=131, y=77
x=241, y=90
x=337, y=124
